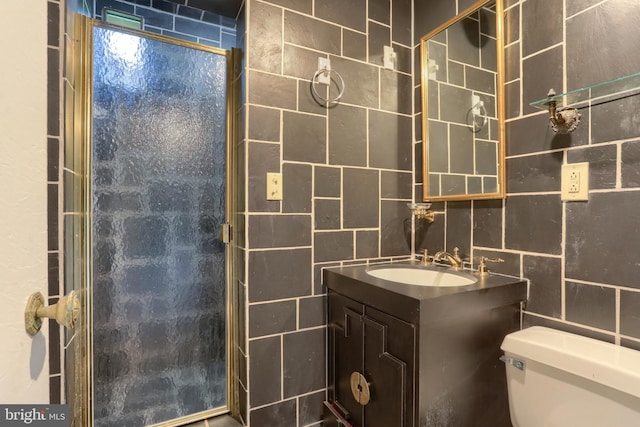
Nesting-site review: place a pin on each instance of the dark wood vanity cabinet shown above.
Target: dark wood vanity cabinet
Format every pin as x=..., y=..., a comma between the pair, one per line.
x=372, y=364
x=416, y=356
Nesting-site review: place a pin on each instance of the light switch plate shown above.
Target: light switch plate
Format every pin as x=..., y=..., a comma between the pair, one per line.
x=274, y=186
x=575, y=182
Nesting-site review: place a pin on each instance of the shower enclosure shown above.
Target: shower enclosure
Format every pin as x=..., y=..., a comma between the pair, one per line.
x=157, y=300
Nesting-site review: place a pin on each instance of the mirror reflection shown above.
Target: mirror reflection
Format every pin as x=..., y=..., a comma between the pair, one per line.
x=462, y=104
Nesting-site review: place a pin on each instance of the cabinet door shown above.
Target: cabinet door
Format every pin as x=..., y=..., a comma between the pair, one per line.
x=389, y=368
x=345, y=354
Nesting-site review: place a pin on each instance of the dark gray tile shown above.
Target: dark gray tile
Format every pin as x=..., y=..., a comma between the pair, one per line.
x=263, y=158
x=264, y=124
x=300, y=62
x=264, y=50
x=333, y=246
x=461, y=157
x=303, y=362
x=304, y=137
x=53, y=24
x=454, y=103
x=512, y=25
x=395, y=228
x=272, y=318
x=308, y=102
x=396, y=185
x=380, y=10
x=630, y=164
x=352, y=14
x=487, y=223
x=603, y=222
x=297, y=188
x=366, y=244
x=264, y=369
x=53, y=225
x=540, y=73
x=395, y=91
x=460, y=37
x=379, y=36
x=327, y=214
x=53, y=91
x=327, y=182
x=403, y=59
x=486, y=162
x=390, y=145
x=533, y=134
x=282, y=413
x=310, y=408
x=534, y=223
x=438, y=147
x=312, y=312
x=53, y=274
x=430, y=15
x=545, y=292
x=55, y=390
x=619, y=119
x=512, y=62
x=535, y=173
x=575, y=7
x=162, y=20
x=512, y=99
x=304, y=6
x=363, y=81
x=629, y=320
x=452, y=185
x=591, y=305
x=354, y=45
x=459, y=227
x=430, y=236
x=602, y=164
x=267, y=280
x=540, y=29
x=303, y=30
x=348, y=136
x=600, y=29
x=272, y=91
x=361, y=196
x=272, y=231
x=401, y=25
x=480, y=80
x=510, y=266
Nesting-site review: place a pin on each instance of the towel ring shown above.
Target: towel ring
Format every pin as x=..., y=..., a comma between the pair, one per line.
x=472, y=117
x=341, y=85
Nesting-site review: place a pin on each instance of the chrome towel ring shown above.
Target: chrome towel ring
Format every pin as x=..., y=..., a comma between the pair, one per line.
x=339, y=83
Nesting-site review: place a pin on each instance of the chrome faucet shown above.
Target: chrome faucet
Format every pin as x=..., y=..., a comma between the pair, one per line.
x=454, y=260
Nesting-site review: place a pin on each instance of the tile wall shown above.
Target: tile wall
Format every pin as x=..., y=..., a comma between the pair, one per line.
x=347, y=176
x=580, y=257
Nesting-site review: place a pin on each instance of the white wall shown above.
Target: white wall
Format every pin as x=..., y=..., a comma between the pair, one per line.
x=24, y=366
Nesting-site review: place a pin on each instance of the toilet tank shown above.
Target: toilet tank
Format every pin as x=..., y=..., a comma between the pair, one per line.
x=560, y=379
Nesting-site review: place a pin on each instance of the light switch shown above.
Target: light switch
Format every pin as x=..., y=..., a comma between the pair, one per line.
x=274, y=186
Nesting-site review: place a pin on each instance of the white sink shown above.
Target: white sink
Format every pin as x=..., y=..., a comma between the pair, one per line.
x=422, y=277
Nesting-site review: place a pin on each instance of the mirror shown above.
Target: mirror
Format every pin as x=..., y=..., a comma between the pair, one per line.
x=463, y=106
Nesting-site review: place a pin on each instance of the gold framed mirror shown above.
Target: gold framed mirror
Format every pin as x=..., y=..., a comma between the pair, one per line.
x=463, y=131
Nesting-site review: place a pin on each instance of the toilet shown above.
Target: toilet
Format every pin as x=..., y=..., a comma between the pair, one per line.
x=558, y=379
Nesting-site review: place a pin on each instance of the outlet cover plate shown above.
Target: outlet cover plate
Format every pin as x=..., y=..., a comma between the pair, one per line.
x=575, y=182
x=274, y=186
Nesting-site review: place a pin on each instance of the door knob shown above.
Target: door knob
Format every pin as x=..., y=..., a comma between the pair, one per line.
x=65, y=311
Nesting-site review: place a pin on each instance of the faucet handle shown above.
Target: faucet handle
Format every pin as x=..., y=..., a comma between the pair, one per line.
x=483, y=270
x=425, y=257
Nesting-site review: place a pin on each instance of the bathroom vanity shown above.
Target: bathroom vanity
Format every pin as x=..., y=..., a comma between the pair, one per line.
x=407, y=355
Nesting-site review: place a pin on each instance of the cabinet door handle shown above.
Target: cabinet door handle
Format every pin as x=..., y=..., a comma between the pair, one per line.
x=360, y=388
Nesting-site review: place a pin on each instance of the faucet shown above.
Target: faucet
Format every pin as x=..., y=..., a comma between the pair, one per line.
x=454, y=260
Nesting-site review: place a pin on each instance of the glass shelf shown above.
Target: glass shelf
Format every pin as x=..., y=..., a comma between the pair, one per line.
x=608, y=90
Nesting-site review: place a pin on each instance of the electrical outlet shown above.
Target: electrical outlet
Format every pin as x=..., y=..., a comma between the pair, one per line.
x=575, y=182
x=274, y=186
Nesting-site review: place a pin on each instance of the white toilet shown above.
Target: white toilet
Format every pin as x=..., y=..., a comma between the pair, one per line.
x=558, y=379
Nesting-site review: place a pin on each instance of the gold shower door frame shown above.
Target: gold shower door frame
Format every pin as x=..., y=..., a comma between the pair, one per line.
x=78, y=217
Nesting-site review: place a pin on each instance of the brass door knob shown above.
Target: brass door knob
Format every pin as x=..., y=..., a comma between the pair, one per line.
x=65, y=311
x=360, y=388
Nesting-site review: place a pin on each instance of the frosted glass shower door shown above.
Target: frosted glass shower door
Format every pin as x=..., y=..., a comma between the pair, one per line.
x=158, y=199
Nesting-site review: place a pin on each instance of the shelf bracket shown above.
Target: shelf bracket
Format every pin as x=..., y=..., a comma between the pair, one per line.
x=563, y=120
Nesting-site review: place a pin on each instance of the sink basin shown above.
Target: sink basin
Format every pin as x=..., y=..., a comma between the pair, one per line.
x=423, y=277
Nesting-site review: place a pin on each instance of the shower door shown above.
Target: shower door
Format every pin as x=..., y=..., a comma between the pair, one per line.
x=158, y=199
